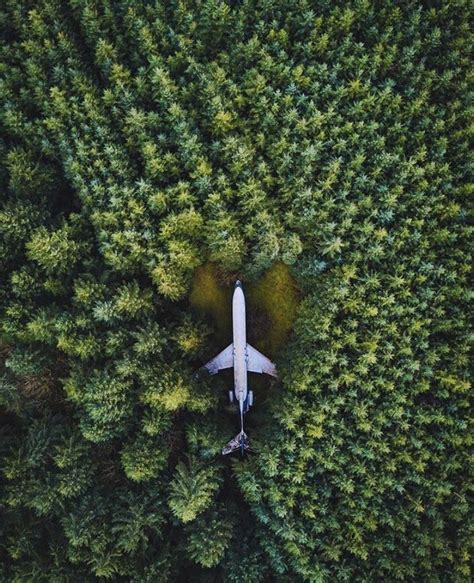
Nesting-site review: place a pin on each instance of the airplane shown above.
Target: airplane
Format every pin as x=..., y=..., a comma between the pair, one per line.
x=244, y=359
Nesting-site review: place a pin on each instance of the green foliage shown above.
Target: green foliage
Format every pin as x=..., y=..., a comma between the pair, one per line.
x=105, y=401
x=192, y=488
x=209, y=536
x=142, y=459
x=191, y=337
x=50, y=468
x=23, y=361
x=56, y=251
x=150, y=154
x=131, y=300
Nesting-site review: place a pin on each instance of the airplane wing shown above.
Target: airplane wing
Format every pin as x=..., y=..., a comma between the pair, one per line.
x=259, y=362
x=224, y=359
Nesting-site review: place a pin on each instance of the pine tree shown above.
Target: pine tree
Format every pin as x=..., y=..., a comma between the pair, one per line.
x=151, y=154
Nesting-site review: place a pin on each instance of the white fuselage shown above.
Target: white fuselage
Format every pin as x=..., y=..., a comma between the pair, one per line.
x=240, y=345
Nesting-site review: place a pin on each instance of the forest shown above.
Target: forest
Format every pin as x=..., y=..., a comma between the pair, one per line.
x=151, y=153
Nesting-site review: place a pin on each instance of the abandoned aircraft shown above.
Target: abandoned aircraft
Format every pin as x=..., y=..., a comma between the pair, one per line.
x=244, y=358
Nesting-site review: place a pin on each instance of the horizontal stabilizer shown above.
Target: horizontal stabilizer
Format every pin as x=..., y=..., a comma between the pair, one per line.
x=240, y=441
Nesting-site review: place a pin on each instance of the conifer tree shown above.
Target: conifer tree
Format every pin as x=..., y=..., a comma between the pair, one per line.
x=151, y=149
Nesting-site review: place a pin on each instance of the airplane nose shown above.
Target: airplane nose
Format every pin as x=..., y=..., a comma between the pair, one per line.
x=238, y=284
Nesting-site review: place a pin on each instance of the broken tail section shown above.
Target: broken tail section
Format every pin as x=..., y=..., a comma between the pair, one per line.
x=240, y=441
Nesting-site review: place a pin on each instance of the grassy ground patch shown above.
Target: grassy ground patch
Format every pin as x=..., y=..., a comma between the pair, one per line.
x=272, y=304
x=277, y=297
x=213, y=298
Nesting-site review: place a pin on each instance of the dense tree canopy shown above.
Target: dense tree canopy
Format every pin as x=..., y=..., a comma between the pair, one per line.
x=141, y=141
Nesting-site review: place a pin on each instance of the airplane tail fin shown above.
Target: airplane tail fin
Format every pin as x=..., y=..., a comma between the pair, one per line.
x=240, y=441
